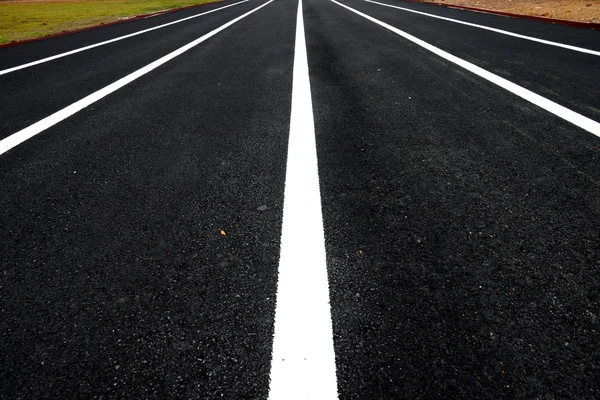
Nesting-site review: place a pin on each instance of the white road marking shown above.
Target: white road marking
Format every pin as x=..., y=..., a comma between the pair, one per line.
x=19, y=137
x=303, y=364
x=91, y=46
x=533, y=39
x=548, y=105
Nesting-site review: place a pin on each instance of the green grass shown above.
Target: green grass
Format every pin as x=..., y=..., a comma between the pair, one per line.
x=28, y=20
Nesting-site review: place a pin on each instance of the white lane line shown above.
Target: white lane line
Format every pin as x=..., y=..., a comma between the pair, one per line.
x=91, y=46
x=303, y=364
x=17, y=138
x=548, y=105
x=533, y=39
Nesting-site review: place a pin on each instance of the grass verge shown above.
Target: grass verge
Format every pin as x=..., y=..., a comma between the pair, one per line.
x=23, y=20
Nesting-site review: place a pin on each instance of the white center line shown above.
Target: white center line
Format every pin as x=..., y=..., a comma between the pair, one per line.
x=19, y=137
x=575, y=118
x=533, y=39
x=91, y=46
x=303, y=364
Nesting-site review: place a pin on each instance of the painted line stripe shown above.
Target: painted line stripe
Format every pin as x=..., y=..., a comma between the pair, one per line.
x=17, y=138
x=487, y=28
x=548, y=105
x=91, y=46
x=303, y=363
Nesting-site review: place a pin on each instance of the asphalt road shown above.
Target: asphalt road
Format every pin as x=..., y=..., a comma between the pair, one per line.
x=140, y=236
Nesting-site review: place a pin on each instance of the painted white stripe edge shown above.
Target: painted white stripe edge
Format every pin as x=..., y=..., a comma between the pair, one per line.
x=19, y=137
x=91, y=46
x=508, y=33
x=303, y=363
x=548, y=105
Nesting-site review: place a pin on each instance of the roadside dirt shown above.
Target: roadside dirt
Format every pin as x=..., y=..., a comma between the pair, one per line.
x=572, y=10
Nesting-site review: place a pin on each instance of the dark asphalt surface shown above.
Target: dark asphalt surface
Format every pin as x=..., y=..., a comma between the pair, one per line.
x=117, y=282
x=461, y=222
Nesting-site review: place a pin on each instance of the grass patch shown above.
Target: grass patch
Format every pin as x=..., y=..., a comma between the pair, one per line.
x=22, y=20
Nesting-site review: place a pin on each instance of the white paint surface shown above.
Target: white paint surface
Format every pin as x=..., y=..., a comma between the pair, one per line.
x=91, y=46
x=19, y=137
x=303, y=364
x=503, y=32
x=548, y=105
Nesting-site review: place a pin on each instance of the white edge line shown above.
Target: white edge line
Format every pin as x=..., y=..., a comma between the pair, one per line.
x=548, y=105
x=548, y=42
x=91, y=46
x=303, y=361
x=19, y=137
